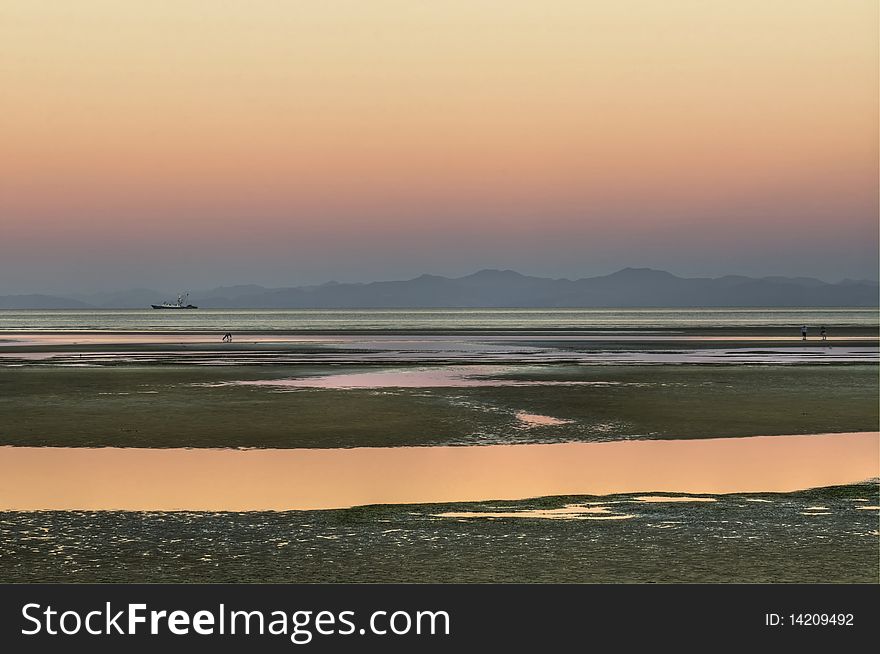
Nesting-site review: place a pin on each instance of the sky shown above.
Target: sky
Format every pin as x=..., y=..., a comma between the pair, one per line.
x=187, y=144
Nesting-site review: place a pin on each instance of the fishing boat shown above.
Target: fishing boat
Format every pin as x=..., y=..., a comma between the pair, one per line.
x=182, y=303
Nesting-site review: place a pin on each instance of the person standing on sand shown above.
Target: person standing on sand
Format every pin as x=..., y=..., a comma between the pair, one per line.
x=803, y=332
x=823, y=333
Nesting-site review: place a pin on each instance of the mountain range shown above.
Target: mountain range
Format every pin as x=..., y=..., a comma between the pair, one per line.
x=630, y=287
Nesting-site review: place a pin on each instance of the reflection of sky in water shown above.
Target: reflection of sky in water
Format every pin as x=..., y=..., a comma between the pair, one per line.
x=242, y=480
x=674, y=498
x=537, y=420
x=567, y=512
x=585, y=511
x=446, y=377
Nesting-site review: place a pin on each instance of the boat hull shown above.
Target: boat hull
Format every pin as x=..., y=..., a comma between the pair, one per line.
x=162, y=306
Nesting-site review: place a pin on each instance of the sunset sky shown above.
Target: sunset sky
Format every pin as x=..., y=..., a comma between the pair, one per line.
x=185, y=144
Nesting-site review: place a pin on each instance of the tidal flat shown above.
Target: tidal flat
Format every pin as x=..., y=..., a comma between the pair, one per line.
x=656, y=445
x=295, y=406
x=814, y=536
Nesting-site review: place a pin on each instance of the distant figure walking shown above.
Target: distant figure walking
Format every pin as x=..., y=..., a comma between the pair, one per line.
x=227, y=337
x=804, y=332
x=823, y=333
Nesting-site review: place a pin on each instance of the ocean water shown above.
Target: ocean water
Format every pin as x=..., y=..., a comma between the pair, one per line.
x=433, y=319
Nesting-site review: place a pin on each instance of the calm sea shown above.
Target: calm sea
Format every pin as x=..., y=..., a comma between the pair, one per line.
x=439, y=319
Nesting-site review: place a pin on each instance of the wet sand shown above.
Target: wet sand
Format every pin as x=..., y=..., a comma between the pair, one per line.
x=736, y=538
x=319, y=405
x=34, y=479
x=151, y=348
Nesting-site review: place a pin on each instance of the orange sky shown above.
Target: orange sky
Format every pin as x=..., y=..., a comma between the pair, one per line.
x=548, y=136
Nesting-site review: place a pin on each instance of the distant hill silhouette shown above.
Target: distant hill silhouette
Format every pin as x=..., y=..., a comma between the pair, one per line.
x=630, y=287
